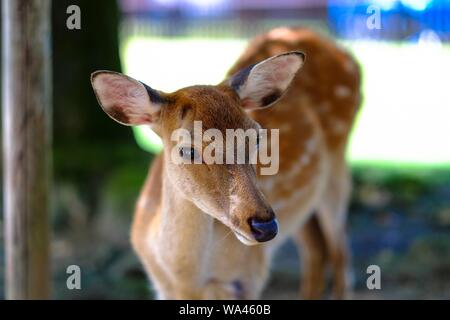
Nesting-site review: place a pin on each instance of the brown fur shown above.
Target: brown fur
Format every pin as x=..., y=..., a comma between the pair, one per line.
x=192, y=255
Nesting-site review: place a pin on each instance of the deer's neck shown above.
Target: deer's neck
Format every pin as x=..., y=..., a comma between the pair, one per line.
x=184, y=229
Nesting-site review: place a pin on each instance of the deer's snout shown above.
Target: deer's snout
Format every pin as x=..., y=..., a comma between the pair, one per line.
x=264, y=229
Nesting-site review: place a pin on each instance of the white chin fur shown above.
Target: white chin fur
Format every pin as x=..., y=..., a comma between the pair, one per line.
x=245, y=240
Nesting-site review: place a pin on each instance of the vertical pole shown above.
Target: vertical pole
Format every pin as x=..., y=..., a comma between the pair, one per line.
x=26, y=107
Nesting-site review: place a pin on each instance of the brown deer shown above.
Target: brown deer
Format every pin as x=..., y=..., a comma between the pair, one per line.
x=186, y=212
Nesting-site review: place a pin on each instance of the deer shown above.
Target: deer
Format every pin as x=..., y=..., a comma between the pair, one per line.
x=291, y=79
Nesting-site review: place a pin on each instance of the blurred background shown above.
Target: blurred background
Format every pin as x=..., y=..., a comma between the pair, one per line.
x=399, y=151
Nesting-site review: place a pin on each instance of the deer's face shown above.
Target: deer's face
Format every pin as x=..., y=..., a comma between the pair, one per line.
x=226, y=190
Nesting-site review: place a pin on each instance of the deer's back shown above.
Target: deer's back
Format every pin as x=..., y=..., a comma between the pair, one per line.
x=314, y=116
x=328, y=84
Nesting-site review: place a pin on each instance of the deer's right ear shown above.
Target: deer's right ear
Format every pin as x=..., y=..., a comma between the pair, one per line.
x=262, y=84
x=125, y=99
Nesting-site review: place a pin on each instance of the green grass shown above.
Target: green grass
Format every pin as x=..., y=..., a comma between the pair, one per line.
x=405, y=117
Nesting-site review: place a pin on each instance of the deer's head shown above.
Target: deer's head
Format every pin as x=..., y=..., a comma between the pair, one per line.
x=228, y=192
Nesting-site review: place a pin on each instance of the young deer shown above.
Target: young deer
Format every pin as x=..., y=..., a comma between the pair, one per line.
x=186, y=211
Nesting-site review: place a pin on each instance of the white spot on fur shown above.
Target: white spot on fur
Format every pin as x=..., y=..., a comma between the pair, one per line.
x=311, y=145
x=350, y=66
x=338, y=126
x=341, y=91
x=305, y=159
x=282, y=33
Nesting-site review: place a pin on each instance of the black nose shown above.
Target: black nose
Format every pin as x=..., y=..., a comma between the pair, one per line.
x=263, y=230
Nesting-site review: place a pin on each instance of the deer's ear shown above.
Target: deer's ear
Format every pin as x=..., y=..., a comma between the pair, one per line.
x=262, y=84
x=125, y=99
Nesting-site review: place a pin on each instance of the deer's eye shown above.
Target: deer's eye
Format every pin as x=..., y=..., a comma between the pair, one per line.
x=188, y=153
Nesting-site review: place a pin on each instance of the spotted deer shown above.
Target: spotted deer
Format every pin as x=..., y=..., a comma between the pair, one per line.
x=186, y=212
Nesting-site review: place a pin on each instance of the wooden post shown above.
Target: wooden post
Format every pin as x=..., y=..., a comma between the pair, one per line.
x=26, y=146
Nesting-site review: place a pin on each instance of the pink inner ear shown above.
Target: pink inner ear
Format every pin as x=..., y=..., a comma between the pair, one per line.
x=123, y=99
x=268, y=80
x=119, y=91
x=282, y=69
x=118, y=112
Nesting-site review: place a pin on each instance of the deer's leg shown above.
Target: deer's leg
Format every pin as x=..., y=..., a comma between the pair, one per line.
x=332, y=217
x=311, y=243
x=159, y=280
x=339, y=259
x=139, y=241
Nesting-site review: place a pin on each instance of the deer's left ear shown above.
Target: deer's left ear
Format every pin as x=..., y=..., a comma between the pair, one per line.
x=261, y=85
x=127, y=100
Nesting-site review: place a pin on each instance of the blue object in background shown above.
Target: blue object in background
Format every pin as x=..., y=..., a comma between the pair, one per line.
x=400, y=19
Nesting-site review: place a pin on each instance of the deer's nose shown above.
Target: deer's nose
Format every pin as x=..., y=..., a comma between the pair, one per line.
x=263, y=230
